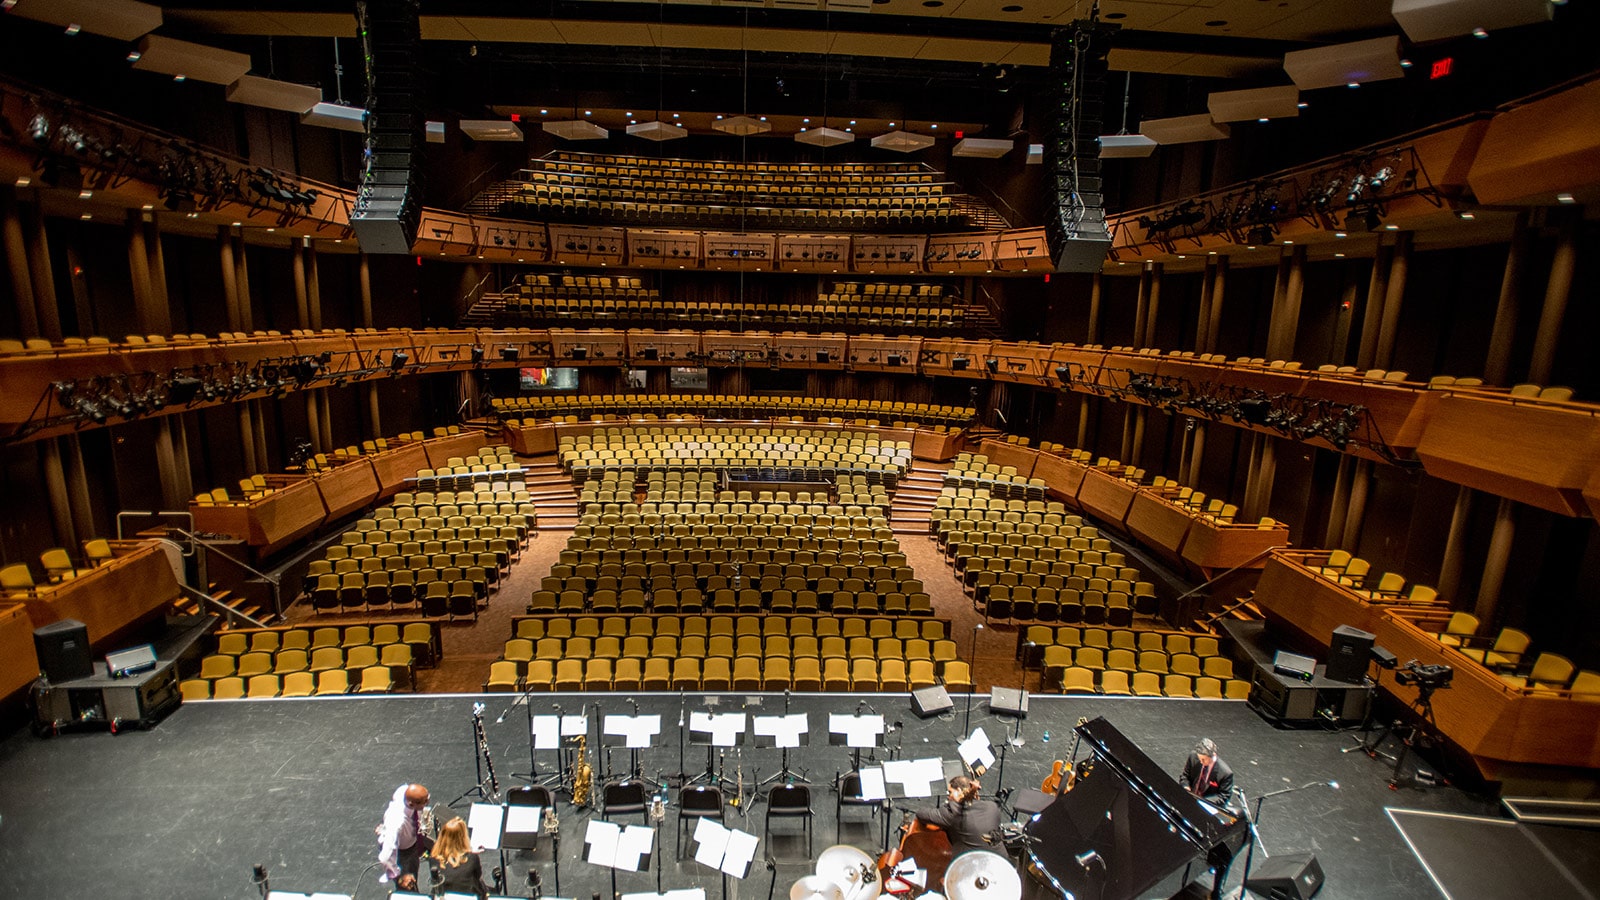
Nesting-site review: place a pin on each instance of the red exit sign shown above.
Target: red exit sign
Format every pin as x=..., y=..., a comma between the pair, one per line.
x=1441, y=67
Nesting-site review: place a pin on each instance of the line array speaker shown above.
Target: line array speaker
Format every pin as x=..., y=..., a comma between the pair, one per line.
x=1075, y=225
x=388, y=208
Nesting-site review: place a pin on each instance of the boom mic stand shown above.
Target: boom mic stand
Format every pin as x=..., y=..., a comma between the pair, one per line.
x=1255, y=819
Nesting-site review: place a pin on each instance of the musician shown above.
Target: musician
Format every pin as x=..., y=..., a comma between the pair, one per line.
x=1205, y=775
x=453, y=865
x=971, y=823
x=402, y=836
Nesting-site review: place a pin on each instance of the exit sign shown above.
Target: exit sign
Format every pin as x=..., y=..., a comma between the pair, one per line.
x=1441, y=67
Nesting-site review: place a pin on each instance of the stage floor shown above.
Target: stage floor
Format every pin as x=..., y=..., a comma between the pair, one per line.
x=186, y=809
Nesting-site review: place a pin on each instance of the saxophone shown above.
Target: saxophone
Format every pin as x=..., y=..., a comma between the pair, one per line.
x=582, y=774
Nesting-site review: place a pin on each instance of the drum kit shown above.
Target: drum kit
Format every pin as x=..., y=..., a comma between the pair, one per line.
x=846, y=873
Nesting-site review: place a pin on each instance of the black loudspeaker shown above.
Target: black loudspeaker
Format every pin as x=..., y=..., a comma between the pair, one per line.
x=1008, y=702
x=1349, y=652
x=1075, y=220
x=1293, y=876
x=388, y=207
x=63, y=649
x=931, y=701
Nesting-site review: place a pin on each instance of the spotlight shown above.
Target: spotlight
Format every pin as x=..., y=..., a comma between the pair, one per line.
x=1358, y=187
x=509, y=354
x=39, y=129
x=398, y=360
x=1380, y=179
x=1254, y=410
x=650, y=353
x=824, y=356
x=959, y=363
x=1262, y=234
x=1064, y=373
x=182, y=390
x=992, y=364
x=579, y=352
x=893, y=359
x=477, y=354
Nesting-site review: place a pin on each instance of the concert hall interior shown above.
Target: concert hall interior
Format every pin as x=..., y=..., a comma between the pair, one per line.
x=406, y=392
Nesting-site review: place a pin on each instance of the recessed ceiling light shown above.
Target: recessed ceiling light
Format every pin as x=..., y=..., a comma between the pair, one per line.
x=1405, y=63
x=134, y=56
x=148, y=206
x=74, y=28
x=1287, y=243
x=763, y=118
x=805, y=120
x=1211, y=253
x=84, y=195
x=272, y=229
x=544, y=112
x=1465, y=215
x=1340, y=234
x=1251, y=247
x=1181, y=256
x=1353, y=84
x=1339, y=255
x=1262, y=119
x=891, y=124
x=1560, y=198
x=1302, y=105
x=25, y=181
x=237, y=224
x=588, y=112
x=1391, y=228
x=1479, y=33
x=933, y=126
x=180, y=78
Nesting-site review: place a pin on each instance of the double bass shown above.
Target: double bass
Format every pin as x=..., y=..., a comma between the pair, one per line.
x=923, y=842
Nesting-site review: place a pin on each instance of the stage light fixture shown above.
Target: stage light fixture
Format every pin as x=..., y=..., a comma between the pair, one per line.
x=959, y=363
x=476, y=353
x=1254, y=410
x=992, y=364
x=399, y=359
x=824, y=356
x=579, y=352
x=510, y=354
x=1064, y=374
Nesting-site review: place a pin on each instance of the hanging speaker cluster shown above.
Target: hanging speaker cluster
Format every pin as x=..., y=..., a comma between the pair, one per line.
x=1075, y=225
x=388, y=208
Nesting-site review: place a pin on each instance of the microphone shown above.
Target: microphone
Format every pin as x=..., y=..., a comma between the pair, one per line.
x=1089, y=857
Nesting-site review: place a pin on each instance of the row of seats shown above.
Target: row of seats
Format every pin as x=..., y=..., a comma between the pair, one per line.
x=722, y=674
x=574, y=160
x=17, y=581
x=330, y=682
x=1390, y=588
x=974, y=471
x=1116, y=682
x=650, y=626
x=523, y=650
x=718, y=405
x=422, y=637
x=694, y=600
x=653, y=312
x=1508, y=656
x=935, y=213
x=742, y=192
x=315, y=660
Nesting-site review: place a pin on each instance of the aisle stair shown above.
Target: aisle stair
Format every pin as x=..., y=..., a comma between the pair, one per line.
x=912, y=507
x=553, y=493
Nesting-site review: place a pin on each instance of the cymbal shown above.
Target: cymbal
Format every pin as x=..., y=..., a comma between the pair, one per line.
x=981, y=875
x=845, y=866
x=815, y=887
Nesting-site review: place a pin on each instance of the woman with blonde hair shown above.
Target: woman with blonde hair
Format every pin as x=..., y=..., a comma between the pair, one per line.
x=455, y=867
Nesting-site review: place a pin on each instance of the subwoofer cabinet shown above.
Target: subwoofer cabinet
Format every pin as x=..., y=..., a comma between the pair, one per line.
x=102, y=701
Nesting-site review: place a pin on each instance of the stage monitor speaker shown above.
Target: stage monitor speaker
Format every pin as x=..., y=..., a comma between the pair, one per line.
x=1008, y=702
x=63, y=649
x=1198, y=889
x=931, y=701
x=1349, y=652
x=1293, y=876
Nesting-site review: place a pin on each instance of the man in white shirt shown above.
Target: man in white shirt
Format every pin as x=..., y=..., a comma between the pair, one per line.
x=402, y=836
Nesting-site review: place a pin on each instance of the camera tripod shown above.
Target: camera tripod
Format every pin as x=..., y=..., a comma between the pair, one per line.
x=1425, y=732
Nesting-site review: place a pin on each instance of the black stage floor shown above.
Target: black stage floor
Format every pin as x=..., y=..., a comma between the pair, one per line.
x=186, y=809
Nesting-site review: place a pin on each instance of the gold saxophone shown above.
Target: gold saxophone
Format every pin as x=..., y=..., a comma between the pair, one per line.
x=582, y=774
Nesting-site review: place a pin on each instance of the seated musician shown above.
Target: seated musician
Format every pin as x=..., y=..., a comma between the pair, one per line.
x=455, y=868
x=1205, y=775
x=971, y=823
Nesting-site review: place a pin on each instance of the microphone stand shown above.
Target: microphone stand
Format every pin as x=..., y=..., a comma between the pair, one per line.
x=1255, y=819
x=972, y=688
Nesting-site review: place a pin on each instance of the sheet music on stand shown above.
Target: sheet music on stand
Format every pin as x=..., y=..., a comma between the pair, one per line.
x=632, y=732
x=976, y=750
x=785, y=732
x=855, y=731
x=484, y=824
x=548, y=731
x=716, y=729
x=873, y=786
x=616, y=847
x=909, y=778
x=522, y=827
x=728, y=850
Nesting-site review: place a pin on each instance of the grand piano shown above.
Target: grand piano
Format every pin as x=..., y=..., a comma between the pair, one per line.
x=1139, y=822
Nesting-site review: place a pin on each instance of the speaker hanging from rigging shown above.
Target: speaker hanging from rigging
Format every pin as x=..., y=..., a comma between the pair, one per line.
x=1075, y=219
x=388, y=207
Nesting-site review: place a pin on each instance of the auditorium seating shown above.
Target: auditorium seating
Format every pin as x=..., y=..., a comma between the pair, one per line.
x=730, y=406
x=1074, y=659
x=721, y=652
x=303, y=660
x=784, y=452
x=626, y=190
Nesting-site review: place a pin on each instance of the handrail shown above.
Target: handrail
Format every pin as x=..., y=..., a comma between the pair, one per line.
x=272, y=580
x=208, y=600
x=1210, y=620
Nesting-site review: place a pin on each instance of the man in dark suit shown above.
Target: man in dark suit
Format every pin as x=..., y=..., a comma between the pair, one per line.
x=1205, y=775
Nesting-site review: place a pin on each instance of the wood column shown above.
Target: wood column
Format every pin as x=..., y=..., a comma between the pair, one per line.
x=167, y=466
x=1495, y=560
x=1202, y=323
x=1125, y=449
x=180, y=444
x=302, y=308
x=1252, y=471
x=77, y=486
x=1268, y=465
x=1339, y=503
x=1286, y=307
x=1372, y=310
x=258, y=411
x=157, y=264
x=1141, y=309
x=313, y=287
x=1153, y=306
x=1140, y=414
x=16, y=249
x=1197, y=454
x=139, y=266
x=42, y=274
x=1497, y=362
x=1455, y=549
x=247, y=435
x=314, y=421
x=327, y=418
x=1219, y=282
x=1388, y=332
x=374, y=421
x=1556, y=293
x=230, y=278
x=241, y=274
x=364, y=273
x=55, y=482
x=1356, y=512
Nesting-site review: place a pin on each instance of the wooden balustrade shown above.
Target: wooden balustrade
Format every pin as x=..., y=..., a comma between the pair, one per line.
x=138, y=582
x=19, y=664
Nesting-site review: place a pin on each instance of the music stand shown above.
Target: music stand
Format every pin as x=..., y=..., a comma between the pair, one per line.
x=728, y=850
x=785, y=732
x=636, y=733
x=977, y=752
x=499, y=827
x=613, y=846
x=855, y=731
x=712, y=730
x=549, y=732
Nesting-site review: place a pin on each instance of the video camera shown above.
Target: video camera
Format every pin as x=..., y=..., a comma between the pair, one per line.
x=1424, y=676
